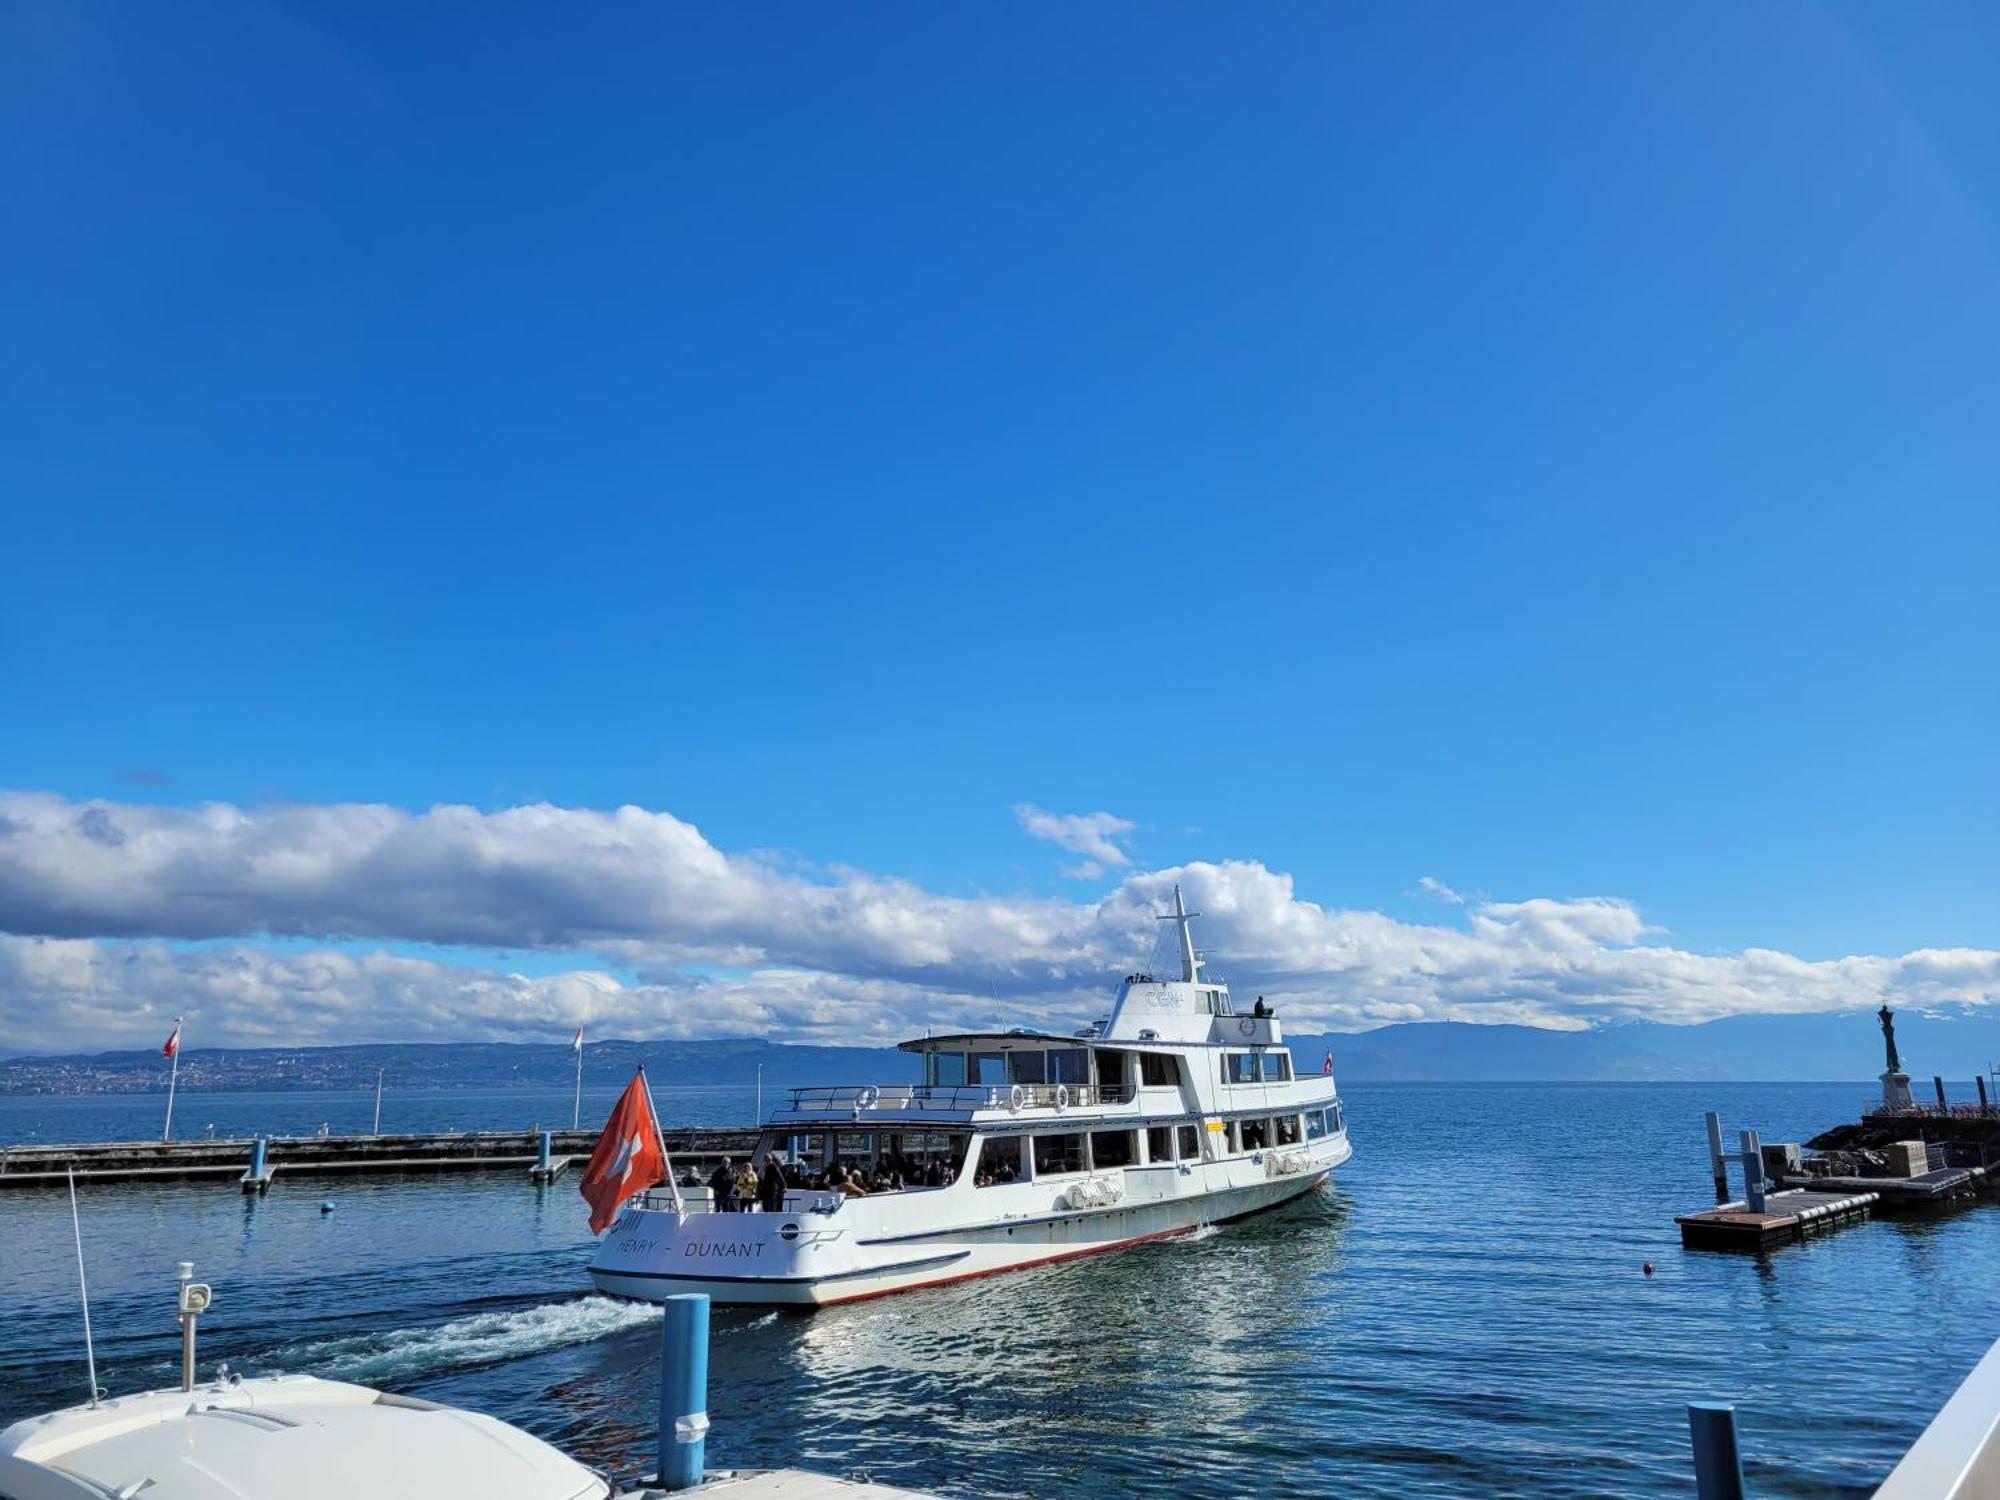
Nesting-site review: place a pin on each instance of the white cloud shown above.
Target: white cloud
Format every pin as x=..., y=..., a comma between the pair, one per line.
x=1094, y=835
x=88, y=891
x=1431, y=886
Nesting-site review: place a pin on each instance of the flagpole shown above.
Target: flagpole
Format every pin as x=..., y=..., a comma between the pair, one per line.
x=576, y=1109
x=173, y=1077
x=377, y=1129
x=666, y=1161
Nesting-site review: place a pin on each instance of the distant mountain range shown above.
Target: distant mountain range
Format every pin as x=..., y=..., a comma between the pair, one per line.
x=1958, y=1045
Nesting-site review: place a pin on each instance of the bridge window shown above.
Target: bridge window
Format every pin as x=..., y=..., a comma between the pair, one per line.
x=1159, y=1143
x=1058, y=1153
x=1189, y=1140
x=1242, y=1067
x=1315, y=1124
x=1028, y=1067
x=986, y=1067
x=1277, y=1067
x=1158, y=1071
x=946, y=1069
x=1112, y=1148
x=1071, y=1065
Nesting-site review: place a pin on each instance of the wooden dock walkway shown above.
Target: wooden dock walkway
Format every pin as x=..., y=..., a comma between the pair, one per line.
x=28, y=1166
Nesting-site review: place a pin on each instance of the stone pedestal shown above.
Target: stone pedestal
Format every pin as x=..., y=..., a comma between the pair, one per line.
x=1896, y=1091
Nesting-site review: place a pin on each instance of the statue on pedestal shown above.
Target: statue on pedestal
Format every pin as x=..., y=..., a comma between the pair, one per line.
x=1895, y=1082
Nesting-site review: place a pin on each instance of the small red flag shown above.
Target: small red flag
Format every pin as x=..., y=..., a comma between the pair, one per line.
x=1326, y=1068
x=628, y=1156
x=173, y=1042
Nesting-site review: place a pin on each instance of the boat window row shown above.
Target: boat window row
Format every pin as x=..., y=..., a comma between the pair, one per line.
x=867, y=1162
x=1257, y=1067
x=1068, y=1065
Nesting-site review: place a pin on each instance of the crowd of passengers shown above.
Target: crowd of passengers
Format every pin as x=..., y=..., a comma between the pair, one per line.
x=743, y=1189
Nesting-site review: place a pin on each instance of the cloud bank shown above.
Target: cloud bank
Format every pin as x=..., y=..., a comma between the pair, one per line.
x=114, y=915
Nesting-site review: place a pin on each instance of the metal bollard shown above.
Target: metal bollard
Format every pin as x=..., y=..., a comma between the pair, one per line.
x=1718, y=1466
x=1718, y=1165
x=1753, y=1173
x=683, y=1390
x=542, y=1154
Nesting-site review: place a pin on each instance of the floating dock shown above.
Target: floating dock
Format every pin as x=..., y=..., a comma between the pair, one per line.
x=254, y=1162
x=1785, y=1216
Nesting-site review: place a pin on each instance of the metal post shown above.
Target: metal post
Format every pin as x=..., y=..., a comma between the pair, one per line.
x=1984, y=1107
x=1718, y=1165
x=184, y=1272
x=542, y=1154
x=1753, y=1173
x=258, y=1150
x=1938, y=1081
x=683, y=1390
x=1718, y=1465
x=760, y=1096
x=376, y=1128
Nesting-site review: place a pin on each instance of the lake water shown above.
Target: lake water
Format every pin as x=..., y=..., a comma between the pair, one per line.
x=1463, y=1313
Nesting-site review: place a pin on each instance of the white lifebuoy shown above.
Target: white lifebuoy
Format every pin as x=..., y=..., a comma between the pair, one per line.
x=1062, y=1096
x=867, y=1097
x=1017, y=1098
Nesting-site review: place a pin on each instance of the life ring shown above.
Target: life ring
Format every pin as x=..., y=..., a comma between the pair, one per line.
x=1246, y=1025
x=867, y=1097
x=1016, y=1099
x=1062, y=1097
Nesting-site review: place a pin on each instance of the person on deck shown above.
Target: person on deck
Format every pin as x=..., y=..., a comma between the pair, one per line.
x=746, y=1187
x=722, y=1184
x=773, y=1196
x=854, y=1187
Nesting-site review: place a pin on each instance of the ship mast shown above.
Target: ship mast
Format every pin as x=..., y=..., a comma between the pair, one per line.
x=1190, y=962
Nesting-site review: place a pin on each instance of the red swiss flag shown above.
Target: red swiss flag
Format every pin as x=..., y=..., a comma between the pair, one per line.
x=627, y=1158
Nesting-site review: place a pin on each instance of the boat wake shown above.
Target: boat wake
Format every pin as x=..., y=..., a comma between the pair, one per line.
x=483, y=1339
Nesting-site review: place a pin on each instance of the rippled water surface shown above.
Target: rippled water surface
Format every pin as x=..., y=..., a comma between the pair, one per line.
x=1462, y=1314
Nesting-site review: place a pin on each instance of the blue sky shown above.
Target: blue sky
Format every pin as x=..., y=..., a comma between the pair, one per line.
x=1551, y=450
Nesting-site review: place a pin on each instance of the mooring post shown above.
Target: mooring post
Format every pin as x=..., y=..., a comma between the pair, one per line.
x=542, y=1153
x=1718, y=1466
x=683, y=1390
x=259, y=1176
x=1938, y=1080
x=1718, y=1164
x=1753, y=1173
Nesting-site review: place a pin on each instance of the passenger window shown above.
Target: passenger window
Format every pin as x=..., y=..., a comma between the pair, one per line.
x=1315, y=1124
x=1288, y=1130
x=987, y=1067
x=1242, y=1067
x=950, y=1069
x=1159, y=1143
x=1156, y=1071
x=1070, y=1066
x=1000, y=1161
x=1029, y=1067
x=1190, y=1141
x=1111, y=1148
x=1058, y=1153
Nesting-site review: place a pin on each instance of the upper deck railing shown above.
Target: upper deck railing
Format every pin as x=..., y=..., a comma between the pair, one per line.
x=867, y=1097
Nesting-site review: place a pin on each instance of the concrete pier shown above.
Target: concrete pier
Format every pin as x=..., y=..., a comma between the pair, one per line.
x=254, y=1162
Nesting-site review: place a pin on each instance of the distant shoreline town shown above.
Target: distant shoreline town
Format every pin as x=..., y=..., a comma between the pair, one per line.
x=1802, y=1048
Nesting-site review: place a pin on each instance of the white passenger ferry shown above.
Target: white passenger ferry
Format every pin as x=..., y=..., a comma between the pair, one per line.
x=1018, y=1147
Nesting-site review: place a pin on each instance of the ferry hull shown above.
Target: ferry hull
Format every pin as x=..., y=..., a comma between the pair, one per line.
x=649, y=1255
